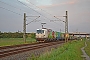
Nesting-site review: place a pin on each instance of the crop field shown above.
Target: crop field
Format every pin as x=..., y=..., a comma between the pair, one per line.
x=68, y=51
x=87, y=49
x=15, y=41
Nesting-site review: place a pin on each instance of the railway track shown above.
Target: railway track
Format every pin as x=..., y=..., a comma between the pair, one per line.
x=11, y=50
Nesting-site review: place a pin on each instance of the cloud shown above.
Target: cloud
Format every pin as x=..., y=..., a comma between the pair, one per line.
x=70, y=2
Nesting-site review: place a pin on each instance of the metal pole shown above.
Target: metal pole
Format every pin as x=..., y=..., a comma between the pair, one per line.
x=66, y=22
x=66, y=27
x=24, y=28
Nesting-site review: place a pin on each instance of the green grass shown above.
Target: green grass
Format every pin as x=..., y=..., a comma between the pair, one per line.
x=69, y=51
x=15, y=41
x=87, y=49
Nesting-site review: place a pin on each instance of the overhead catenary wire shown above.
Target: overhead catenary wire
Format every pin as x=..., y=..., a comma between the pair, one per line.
x=33, y=20
x=45, y=11
x=25, y=5
x=22, y=10
x=39, y=7
x=11, y=11
x=13, y=6
x=33, y=9
x=59, y=19
x=17, y=8
x=8, y=4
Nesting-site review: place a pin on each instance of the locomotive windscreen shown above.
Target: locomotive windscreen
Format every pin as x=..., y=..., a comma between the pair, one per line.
x=40, y=31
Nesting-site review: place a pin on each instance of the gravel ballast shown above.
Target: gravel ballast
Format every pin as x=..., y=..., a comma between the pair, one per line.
x=25, y=55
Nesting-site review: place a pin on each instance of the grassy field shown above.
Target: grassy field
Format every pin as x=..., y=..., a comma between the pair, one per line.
x=15, y=41
x=69, y=51
x=87, y=49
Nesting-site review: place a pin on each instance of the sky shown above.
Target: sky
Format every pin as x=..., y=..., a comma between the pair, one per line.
x=12, y=11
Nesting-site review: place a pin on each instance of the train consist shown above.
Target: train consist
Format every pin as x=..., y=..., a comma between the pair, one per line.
x=47, y=35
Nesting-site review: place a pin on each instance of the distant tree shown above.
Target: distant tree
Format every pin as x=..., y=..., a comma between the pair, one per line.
x=0, y=32
x=33, y=35
x=11, y=35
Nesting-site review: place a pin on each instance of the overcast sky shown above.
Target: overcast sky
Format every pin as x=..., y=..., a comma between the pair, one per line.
x=12, y=11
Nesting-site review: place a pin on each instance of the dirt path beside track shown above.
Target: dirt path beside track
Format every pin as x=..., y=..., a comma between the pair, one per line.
x=84, y=53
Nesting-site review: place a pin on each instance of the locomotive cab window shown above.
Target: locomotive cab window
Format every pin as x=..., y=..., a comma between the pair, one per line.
x=40, y=31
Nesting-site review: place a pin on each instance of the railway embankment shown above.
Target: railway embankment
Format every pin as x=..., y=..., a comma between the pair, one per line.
x=25, y=51
x=68, y=51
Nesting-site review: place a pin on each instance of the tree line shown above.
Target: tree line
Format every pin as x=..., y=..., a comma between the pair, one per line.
x=16, y=35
